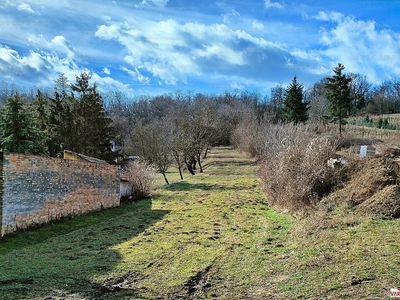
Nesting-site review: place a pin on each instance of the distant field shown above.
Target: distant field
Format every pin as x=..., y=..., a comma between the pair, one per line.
x=358, y=127
x=392, y=118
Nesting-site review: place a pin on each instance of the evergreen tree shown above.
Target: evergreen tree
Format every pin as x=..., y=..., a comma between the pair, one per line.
x=295, y=109
x=19, y=130
x=93, y=130
x=338, y=95
x=82, y=84
x=55, y=117
x=62, y=87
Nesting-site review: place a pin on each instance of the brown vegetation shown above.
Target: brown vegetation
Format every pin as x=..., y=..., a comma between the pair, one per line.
x=293, y=165
x=296, y=177
x=141, y=175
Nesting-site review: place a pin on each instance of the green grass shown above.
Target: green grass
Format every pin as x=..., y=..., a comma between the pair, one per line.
x=211, y=236
x=216, y=223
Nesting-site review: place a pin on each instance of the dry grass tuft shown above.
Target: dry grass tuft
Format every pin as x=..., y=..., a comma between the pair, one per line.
x=373, y=175
x=385, y=202
x=387, y=150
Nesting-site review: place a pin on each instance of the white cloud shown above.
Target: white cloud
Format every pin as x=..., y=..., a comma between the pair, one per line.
x=153, y=3
x=135, y=74
x=329, y=16
x=238, y=86
x=107, y=83
x=26, y=7
x=42, y=68
x=172, y=52
x=58, y=44
x=222, y=52
x=106, y=71
x=229, y=17
x=269, y=4
x=21, y=6
x=169, y=50
x=362, y=48
x=310, y=61
x=258, y=26
x=33, y=65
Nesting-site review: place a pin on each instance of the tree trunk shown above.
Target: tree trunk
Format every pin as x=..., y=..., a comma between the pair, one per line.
x=205, y=153
x=178, y=161
x=189, y=166
x=199, y=162
x=180, y=172
x=340, y=121
x=194, y=162
x=165, y=177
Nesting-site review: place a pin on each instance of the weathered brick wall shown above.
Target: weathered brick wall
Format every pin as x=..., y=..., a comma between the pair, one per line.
x=37, y=189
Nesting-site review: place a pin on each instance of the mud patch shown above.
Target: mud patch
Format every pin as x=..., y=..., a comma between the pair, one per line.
x=199, y=283
x=125, y=282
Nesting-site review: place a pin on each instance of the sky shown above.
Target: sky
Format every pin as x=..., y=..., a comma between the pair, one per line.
x=151, y=47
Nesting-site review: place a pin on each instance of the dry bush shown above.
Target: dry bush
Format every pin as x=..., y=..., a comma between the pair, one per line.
x=141, y=175
x=293, y=165
x=246, y=136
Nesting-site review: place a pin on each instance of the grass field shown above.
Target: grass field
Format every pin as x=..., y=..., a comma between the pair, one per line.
x=211, y=236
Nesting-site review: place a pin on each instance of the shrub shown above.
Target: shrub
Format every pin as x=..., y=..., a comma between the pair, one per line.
x=245, y=137
x=142, y=176
x=293, y=165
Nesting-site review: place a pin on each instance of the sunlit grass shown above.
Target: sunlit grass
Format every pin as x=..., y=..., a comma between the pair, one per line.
x=215, y=222
x=214, y=229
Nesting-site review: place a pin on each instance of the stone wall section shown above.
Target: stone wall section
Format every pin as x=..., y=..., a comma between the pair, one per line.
x=38, y=190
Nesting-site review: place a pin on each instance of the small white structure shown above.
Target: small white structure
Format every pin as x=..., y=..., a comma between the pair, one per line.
x=363, y=151
x=125, y=188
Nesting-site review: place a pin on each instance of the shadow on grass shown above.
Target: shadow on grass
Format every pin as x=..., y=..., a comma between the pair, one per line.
x=228, y=167
x=63, y=259
x=185, y=186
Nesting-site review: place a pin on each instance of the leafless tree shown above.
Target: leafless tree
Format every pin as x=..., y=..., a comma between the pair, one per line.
x=319, y=105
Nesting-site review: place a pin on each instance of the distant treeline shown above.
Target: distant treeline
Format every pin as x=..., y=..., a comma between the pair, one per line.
x=175, y=128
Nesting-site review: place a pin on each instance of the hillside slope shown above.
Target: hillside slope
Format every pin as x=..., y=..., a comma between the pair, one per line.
x=211, y=236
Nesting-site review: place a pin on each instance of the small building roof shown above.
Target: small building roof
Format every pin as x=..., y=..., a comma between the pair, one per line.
x=71, y=155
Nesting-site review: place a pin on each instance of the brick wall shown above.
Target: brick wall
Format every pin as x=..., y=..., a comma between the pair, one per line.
x=38, y=189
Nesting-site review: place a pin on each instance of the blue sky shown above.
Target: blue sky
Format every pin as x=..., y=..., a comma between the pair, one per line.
x=159, y=46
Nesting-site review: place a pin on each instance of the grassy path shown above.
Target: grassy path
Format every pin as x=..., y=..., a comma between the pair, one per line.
x=209, y=236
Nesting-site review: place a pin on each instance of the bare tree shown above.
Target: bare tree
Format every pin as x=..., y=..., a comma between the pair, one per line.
x=359, y=89
x=319, y=105
x=153, y=143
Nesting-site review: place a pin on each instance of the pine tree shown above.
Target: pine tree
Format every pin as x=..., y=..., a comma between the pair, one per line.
x=295, y=109
x=19, y=130
x=93, y=127
x=338, y=95
x=62, y=87
x=44, y=113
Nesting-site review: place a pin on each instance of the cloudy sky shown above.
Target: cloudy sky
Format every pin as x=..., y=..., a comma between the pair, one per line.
x=159, y=46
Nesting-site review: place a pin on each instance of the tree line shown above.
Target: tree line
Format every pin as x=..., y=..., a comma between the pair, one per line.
x=73, y=118
x=175, y=129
